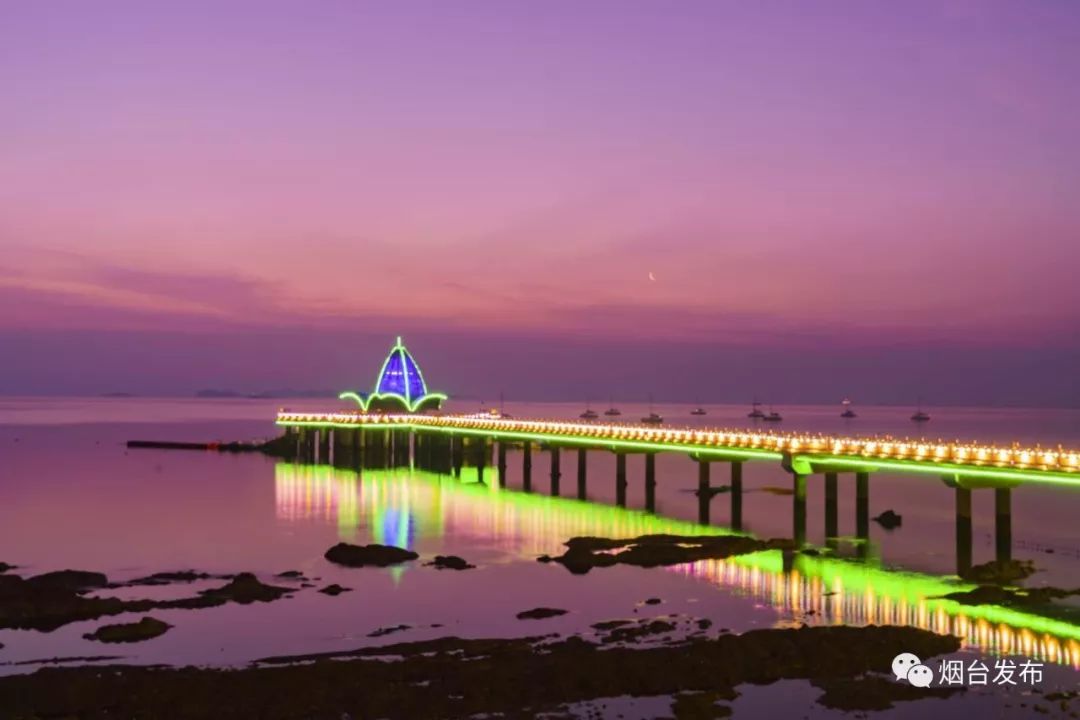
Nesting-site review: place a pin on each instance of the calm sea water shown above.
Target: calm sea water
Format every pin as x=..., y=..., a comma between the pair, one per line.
x=72, y=496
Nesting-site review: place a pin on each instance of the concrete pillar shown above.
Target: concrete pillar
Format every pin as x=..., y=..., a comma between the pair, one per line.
x=318, y=446
x=704, y=491
x=799, y=510
x=501, y=460
x=862, y=504
x=582, y=467
x=1003, y=524
x=358, y=448
x=556, y=471
x=963, y=531
x=481, y=457
x=526, y=466
x=831, y=506
x=736, y=495
x=620, y=480
x=457, y=452
x=650, y=482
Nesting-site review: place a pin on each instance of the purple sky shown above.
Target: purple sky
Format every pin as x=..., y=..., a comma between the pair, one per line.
x=796, y=199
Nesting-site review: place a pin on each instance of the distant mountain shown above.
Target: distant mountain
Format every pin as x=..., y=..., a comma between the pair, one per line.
x=266, y=394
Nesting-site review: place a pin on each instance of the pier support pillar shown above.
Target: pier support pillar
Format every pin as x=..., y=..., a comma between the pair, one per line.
x=963, y=531
x=358, y=448
x=650, y=482
x=862, y=505
x=556, y=471
x=501, y=460
x=799, y=510
x=457, y=454
x=736, y=495
x=620, y=480
x=582, y=468
x=481, y=457
x=831, y=507
x=1003, y=524
x=704, y=492
x=526, y=467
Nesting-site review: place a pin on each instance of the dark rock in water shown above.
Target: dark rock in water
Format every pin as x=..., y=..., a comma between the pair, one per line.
x=450, y=562
x=518, y=677
x=712, y=491
x=167, y=578
x=889, y=520
x=387, y=630
x=145, y=629
x=639, y=630
x=364, y=555
x=1000, y=572
x=334, y=589
x=610, y=624
x=704, y=624
x=69, y=580
x=4, y=567
x=997, y=595
x=290, y=575
x=585, y=553
x=870, y=693
x=245, y=588
x=540, y=613
x=702, y=705
x=653, y=601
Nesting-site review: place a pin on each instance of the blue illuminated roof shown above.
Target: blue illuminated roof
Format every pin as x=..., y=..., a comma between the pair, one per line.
x=400, y=375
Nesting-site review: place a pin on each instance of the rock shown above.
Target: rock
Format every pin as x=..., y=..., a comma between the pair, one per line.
x=364, y=555
x=889, y=520
x=610, y=624
x=1001, y=572
x=540, y=613
x=4, y=567
x=167, y=578
x=69, y=580
x=334, y=590
x=871, y=693
x=639, y=630
x=387, y=630
x=245, y=588
x=653, y=601
x=450, y=562
x=145, y=629
x=997, y=595
x=505, y=676
x=290, y=575
x=704, y=624
x=585, y=553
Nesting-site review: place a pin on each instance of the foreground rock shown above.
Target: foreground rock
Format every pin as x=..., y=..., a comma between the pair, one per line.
x=540, y=613
x=514, y=678
x=450, y=562
x=145, y=629
x=334, y=590
x=46, y=602
x=1006, y=597
x=1001, y=572
x=585, y=553
x=364, y=555
x=889, y=520
x=4, y=567
x=169, y=578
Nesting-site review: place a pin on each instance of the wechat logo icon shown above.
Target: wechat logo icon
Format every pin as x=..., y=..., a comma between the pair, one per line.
x=907, y=666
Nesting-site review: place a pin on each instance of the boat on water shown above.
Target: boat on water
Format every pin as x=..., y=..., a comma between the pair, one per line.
x=612, y=411
x=848, y=412
x=920, y=416
x=698, y=411
x=589, y=414
x=653, y=418
x=756, y=411
x=773, y=416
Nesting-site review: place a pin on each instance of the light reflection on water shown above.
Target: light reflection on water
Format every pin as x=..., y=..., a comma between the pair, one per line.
x=400, y=507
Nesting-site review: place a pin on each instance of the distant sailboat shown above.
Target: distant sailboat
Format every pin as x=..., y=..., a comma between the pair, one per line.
x=502, y=412
x=612, y=411
x=698, y=411
x=773, y=416
x=756, y=411
x=848, y=412
x=589, y=413
x=920, y=416
x=652, y=418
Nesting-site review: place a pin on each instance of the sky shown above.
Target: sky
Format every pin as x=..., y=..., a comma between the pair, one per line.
x=700, y=200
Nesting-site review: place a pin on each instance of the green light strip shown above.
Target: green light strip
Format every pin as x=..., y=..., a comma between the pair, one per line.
x=929, y=467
